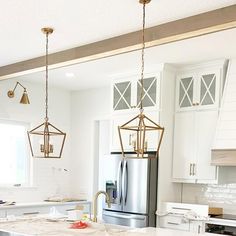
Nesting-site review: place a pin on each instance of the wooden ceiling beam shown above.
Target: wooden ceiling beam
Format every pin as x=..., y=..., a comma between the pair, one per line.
x=205, y=23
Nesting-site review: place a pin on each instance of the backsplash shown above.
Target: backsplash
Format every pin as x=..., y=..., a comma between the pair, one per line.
x=222, y=194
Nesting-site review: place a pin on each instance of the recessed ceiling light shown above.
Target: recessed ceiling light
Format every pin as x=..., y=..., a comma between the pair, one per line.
x=70, y=75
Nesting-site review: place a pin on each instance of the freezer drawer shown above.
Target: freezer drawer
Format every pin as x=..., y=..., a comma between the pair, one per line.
x=119, y=218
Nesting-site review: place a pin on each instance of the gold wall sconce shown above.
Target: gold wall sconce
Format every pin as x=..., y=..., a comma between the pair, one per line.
x=24, y=99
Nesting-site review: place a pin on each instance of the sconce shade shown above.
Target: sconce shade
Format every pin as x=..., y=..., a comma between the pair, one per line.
x=46, y=141
x=141, y=126
x=25, y=98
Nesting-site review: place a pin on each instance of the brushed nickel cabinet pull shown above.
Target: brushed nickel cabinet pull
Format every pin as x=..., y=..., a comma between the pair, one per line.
x=190, y=169
x=172, y=223
x=194, y=170
x=31, y=213
x=199, y=229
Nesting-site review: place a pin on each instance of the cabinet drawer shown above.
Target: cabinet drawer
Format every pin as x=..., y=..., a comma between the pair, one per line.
x=174, y=222
x=65, y=208
x=28, y=211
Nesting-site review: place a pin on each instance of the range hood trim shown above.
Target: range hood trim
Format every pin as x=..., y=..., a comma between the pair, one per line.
x=223, y=157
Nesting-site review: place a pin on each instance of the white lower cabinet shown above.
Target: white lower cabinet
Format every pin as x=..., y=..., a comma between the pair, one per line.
x=178, y=223
x=197, y=227
x=174, y=222
x=193, y=136
x=43, y=208
x=182, y=216
x=28, y=211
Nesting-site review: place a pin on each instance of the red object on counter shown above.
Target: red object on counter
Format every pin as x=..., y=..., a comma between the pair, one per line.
x=79, y=225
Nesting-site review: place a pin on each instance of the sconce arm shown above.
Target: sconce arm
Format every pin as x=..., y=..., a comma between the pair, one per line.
x=18, y=83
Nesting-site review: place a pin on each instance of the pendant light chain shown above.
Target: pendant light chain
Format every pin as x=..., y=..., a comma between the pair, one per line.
x=46, y=97
x=143, y=49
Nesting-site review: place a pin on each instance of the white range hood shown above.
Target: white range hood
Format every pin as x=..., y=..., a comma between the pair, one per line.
x=224, y=145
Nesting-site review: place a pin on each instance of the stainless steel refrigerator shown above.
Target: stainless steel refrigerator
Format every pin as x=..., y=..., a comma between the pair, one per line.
x=132, y=187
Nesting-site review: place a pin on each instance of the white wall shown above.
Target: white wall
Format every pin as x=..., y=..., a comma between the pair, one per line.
x=88, y=106
x=48, y=178
x=167, y=191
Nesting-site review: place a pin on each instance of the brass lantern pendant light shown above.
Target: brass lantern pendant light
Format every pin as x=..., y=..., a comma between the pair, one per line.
x=46, y=141
x=141, y=124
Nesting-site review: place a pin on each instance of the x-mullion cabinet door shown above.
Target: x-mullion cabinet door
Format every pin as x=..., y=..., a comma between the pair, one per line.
x=151, y=93
x=209, y=89
x=185, y=91
x=122, y=95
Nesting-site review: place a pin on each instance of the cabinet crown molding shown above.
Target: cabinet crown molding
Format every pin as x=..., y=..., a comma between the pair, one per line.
x=201, y=65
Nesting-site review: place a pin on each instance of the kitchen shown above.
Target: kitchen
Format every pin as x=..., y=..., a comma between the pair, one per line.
x=86, y=108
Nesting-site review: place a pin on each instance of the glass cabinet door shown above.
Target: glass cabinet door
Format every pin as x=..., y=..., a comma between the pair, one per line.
x=149, y=97
x=207, y=89
x=122, y=96
x=185, y=98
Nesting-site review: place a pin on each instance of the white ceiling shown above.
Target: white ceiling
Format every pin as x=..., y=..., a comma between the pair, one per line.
x=79, y=22
x=100, y=72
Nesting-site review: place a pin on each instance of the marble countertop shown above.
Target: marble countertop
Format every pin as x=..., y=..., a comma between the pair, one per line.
x=44, y=227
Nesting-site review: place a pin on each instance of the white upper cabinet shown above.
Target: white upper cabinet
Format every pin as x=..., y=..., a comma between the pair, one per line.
x=198, y=93
x=198, y=90
x=184, y=146
x=126, y=93
x=205, y=131
x=193, y=137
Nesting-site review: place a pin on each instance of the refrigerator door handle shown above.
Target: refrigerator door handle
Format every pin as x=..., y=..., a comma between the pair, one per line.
x=125, y=182
x=133, y=217
x=119, y=182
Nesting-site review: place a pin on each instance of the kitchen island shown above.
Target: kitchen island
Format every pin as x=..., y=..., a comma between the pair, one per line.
x=46, y=227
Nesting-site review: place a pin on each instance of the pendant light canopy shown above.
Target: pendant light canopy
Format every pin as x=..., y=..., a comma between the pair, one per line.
x=46, y=141
x=141, y=124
